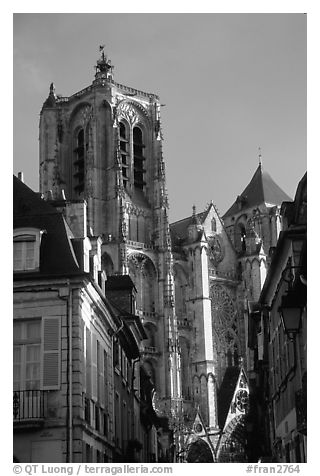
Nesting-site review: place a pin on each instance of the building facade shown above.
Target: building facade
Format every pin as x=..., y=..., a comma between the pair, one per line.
x=220, y=265
x=194, y=280
x=71, y=397
x=104, y=144
x=284, y=302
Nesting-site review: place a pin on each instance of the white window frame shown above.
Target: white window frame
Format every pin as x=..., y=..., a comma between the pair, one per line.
x=50, y=351
x=24, y=236
x=23, y=343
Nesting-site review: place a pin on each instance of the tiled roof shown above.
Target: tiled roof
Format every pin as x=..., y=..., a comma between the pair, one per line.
x=31, y=211
x=261, y=189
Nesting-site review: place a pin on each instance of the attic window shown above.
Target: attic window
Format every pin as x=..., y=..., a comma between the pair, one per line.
x=26, y=249
x=213, y=224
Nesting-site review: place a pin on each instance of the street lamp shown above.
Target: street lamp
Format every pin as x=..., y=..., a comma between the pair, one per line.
x=290, y=313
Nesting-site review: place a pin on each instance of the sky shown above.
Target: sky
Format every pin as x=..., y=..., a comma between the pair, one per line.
x=230, y=83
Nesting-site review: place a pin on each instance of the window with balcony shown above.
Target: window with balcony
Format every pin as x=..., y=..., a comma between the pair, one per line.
x=36, y=365
x=36, y=357
x=27, y=355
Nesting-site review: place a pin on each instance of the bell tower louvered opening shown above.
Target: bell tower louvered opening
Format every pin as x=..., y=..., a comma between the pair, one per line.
x=138, y=158
x=79, y=163
x=124, y=152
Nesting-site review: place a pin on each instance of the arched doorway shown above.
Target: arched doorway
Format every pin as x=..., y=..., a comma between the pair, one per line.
x=199, y=452
x=232, y=446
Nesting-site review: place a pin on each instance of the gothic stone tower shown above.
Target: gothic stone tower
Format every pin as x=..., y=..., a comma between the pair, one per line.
x=253, y=224
x=209, y=319
x=219, y=267
x=103, y=145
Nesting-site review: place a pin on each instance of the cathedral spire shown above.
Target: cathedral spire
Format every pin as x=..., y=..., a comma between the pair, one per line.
x=260, y=156
x=194, y=214
x=195, y=218
x=51, y=99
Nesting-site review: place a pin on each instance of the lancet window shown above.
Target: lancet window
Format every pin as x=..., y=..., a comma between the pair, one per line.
x=138, y=158
x=124, y=152
x=80, y=151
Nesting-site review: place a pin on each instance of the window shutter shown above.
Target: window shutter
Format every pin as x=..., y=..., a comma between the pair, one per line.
x=88, y=362
x=100, y=376
x=83, y=355
x=105, y=378
x=94, y=366
x=51, y=353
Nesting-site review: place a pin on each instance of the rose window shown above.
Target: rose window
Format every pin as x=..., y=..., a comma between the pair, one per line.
x=222, y=306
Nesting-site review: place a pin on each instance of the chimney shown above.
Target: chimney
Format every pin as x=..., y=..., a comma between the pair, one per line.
x=49, y=195
x=76, y=217
x=122, y=291
x=20, y=176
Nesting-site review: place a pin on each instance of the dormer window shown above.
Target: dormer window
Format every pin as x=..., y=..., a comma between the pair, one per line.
x=26, y=249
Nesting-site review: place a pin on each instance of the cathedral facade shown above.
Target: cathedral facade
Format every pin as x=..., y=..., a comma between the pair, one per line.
x=195, y=278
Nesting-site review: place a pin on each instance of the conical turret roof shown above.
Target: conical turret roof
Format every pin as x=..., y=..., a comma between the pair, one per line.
x=261, y=189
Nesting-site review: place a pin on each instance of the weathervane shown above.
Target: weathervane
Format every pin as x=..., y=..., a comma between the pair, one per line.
x=260, y=156
x=104, y=65
x=101, y=49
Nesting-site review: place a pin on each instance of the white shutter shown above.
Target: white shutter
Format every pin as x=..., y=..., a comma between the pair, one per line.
x=94, y=366
x=51, y=353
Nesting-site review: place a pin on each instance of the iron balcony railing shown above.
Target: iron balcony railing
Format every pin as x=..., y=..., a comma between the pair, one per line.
x=29, y=405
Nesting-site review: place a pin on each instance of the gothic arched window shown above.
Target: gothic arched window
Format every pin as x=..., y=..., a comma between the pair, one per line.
x=107, y=264
x=240, y=237
x=124, y=140
x=185, y=367
x=79, y=165
x=138, y=158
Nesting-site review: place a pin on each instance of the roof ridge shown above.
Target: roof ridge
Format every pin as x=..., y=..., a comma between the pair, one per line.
x=190, y=216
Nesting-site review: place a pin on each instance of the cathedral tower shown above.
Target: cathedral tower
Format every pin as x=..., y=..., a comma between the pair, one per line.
x=103, y=145
x=253, y=224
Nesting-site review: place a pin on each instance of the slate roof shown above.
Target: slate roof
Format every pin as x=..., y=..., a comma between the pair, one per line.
x=179, y=229
x=116, y=282
x=225, y=393
x=261, y=189
x=56, y=252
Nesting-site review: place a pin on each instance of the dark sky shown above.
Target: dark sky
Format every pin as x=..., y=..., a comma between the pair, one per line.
x=231, y=83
